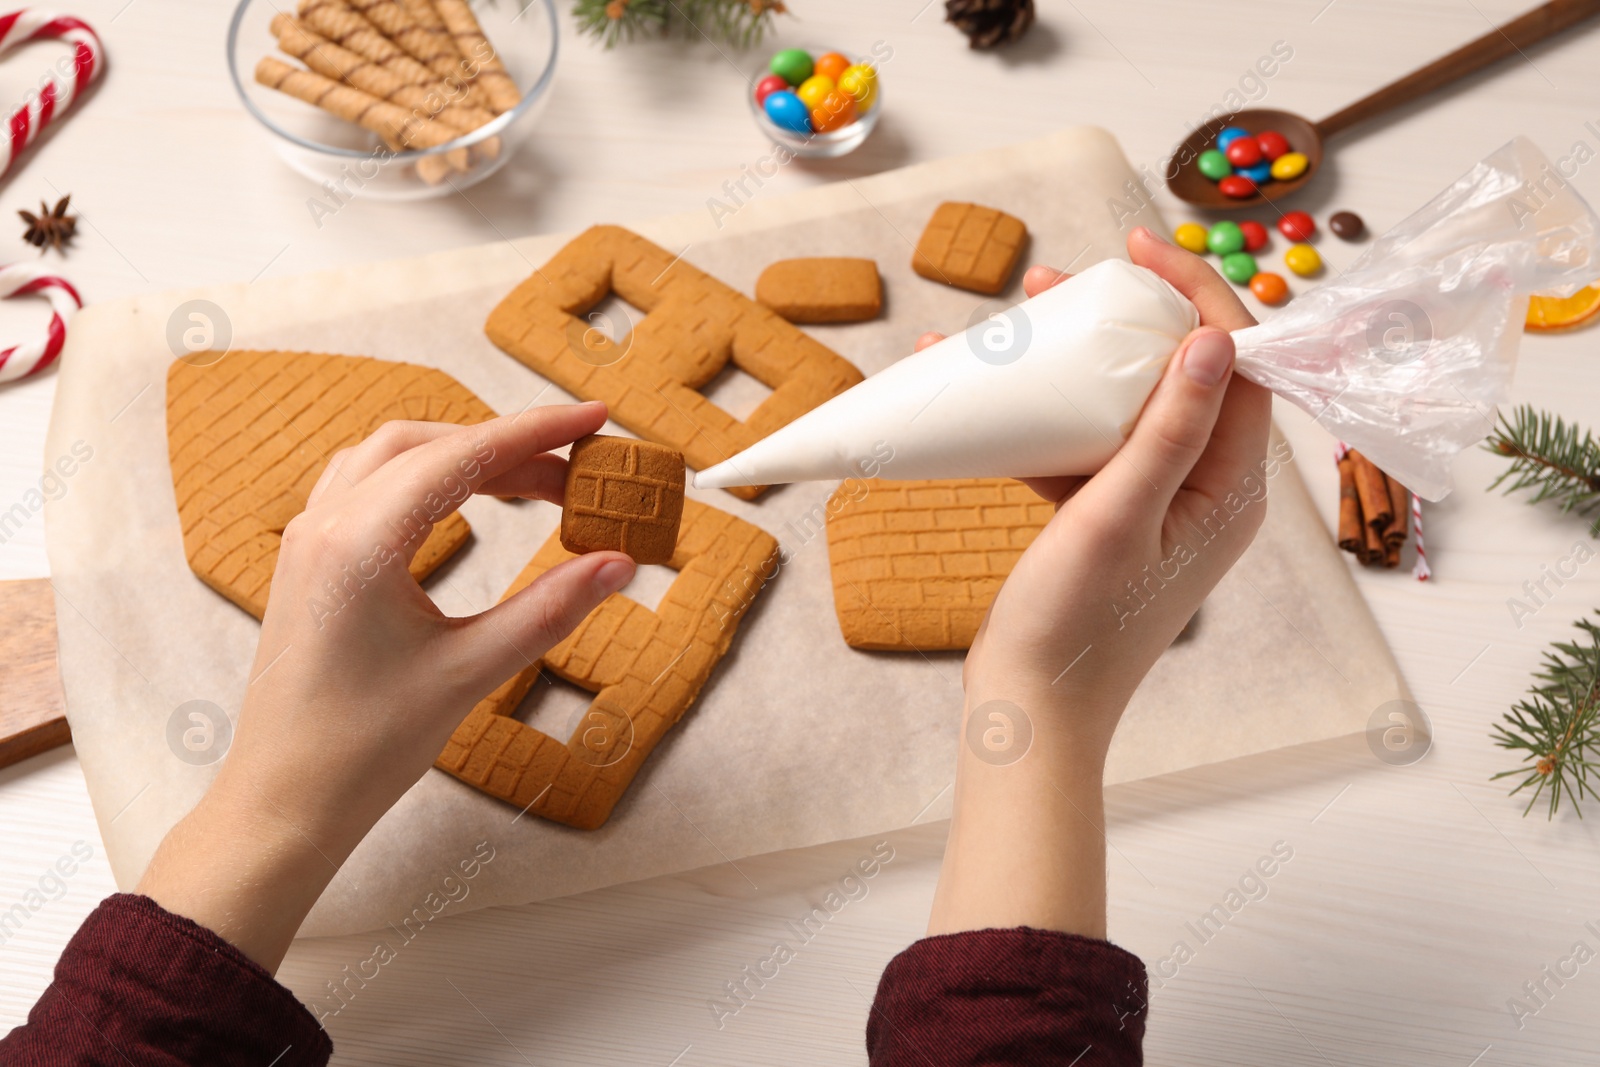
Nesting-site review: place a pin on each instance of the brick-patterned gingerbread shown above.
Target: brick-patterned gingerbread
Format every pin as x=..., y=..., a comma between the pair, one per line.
x=623, y=495
x=644, y=667
x=917, y=564
x=822, y=289
x=969, y=246
x=693, y=325
x=248, y=436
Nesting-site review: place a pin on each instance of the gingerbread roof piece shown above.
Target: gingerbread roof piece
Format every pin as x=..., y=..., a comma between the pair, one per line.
x=969, y=246
x=249, y=434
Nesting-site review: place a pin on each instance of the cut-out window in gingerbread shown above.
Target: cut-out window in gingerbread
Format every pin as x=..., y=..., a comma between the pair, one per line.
x=645, y=668
x=692, y=326
x=249, y=434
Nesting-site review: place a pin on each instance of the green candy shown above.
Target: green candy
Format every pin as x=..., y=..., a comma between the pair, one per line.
x=1225, y=237
x=793, y=65
x=1212, y=164
x=1239, y=267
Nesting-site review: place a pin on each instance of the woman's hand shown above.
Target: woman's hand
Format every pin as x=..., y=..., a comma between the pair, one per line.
x=359, y=679
x=1089, y=607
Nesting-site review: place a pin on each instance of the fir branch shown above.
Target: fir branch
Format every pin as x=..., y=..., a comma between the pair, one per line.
x=741, y=23
x=1558, y=725
x=1557, y=460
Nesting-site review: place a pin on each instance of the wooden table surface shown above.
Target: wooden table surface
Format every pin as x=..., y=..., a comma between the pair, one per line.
x=1418, y=899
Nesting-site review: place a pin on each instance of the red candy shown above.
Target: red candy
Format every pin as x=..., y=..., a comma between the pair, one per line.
x=767, y=86
x=1255, y=235
x=1243, y=152
x=1237, y=186
x=1272, y=144
x=1297, y=226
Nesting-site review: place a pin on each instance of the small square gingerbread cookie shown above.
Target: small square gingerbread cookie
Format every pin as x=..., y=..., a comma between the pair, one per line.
x=822, y=289
x=623, y=495
x=970, y=246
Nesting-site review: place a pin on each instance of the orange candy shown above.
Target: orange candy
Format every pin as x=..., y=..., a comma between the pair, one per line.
x=1269, y=288
x=1547, y=313
x=834, y=113
x=830, y=65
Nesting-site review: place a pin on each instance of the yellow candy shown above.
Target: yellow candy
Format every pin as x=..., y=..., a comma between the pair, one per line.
x=1289, y=165
x=1191, y=235
x=814, y=90
x=860, y=83
x=1302, y=259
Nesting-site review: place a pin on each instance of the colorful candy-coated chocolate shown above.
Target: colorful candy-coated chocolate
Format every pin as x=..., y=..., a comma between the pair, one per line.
x=1229, y=135
x=835, y=112
x=767, y=86
x=1225, y=237
x=1289, y=166
x=1191, y=235
x=793, y=65
x=785, y=110
x=1261, y=173
x=814, y=90
x=1297, y=226
x=1269, y=288
x=860, y=83
x=1255, y=235
x=1303, y=260
x=1214, y=164
x=1347, y=225
x=1236, y=186
x=1273, y=144
x=1239, y=267
x=1243, y=152
x=830, y=65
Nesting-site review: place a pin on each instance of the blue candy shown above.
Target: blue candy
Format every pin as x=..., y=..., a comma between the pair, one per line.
x=1261, y=173
x=788, y=111
x=1228, y=136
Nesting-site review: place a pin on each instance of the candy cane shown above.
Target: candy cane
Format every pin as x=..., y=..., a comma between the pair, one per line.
x=19, y=361
x=1422, y=571
x=58, y=88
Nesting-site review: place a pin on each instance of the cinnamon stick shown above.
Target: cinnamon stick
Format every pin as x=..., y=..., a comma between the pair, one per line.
x=1373, y=543
x=1351, y=538
x=1400, y=525
x=1373, y=490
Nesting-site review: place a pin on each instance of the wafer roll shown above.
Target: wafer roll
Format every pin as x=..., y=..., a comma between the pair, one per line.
x=489, y=73
x=426, y=16
x=431, y=169
x=353, y=105
x=335, y=61
x=388, y=19
x=347, y=29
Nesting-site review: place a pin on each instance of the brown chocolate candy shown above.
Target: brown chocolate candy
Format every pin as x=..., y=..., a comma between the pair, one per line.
x=1347, y=225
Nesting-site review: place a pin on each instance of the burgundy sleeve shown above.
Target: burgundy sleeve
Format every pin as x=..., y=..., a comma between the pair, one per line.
x=1019, y=996
x=137, y=984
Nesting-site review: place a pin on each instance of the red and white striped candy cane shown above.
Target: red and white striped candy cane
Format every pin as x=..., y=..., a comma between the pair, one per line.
x=1422, y=571
x=59, y=86
x=20, y=279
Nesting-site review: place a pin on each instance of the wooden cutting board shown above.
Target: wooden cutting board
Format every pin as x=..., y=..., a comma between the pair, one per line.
x=32, y=706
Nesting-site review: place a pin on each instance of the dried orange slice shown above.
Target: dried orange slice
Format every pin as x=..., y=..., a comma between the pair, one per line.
x=1546, y=313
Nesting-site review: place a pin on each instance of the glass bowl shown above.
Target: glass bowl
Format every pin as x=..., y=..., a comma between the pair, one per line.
x=326, y=148
x=829, y=145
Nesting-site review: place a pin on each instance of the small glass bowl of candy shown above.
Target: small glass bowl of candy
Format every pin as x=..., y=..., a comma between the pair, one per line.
x=817, y=103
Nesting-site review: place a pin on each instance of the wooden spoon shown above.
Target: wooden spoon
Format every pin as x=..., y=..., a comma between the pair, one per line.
x=1187, y=183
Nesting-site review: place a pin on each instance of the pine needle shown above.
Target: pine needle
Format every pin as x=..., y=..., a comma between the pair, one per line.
x=1557, y=460
x=1557, y=725
x=741, y=23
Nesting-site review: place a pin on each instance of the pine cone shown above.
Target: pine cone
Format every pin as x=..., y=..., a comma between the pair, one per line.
x=988, y=23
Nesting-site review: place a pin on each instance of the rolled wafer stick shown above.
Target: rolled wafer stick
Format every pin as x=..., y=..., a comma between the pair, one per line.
x=353, y=105
x=1373, y=490
x=347, y=29
x=490, y=74
x=1351, y=539
x=390, y=20
x=426, y=16
x=431, y=169
x=1395, y=532
x=335, y=61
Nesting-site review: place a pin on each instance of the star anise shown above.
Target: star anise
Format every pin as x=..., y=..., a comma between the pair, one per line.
x=50, y=228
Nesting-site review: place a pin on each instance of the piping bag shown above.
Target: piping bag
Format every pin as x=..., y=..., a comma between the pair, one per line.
x=1405, y=355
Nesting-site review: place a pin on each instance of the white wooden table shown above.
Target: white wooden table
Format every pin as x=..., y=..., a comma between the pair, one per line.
x=1418, y=900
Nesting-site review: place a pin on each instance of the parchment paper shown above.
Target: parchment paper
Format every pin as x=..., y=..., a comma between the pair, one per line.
x=797, y=739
